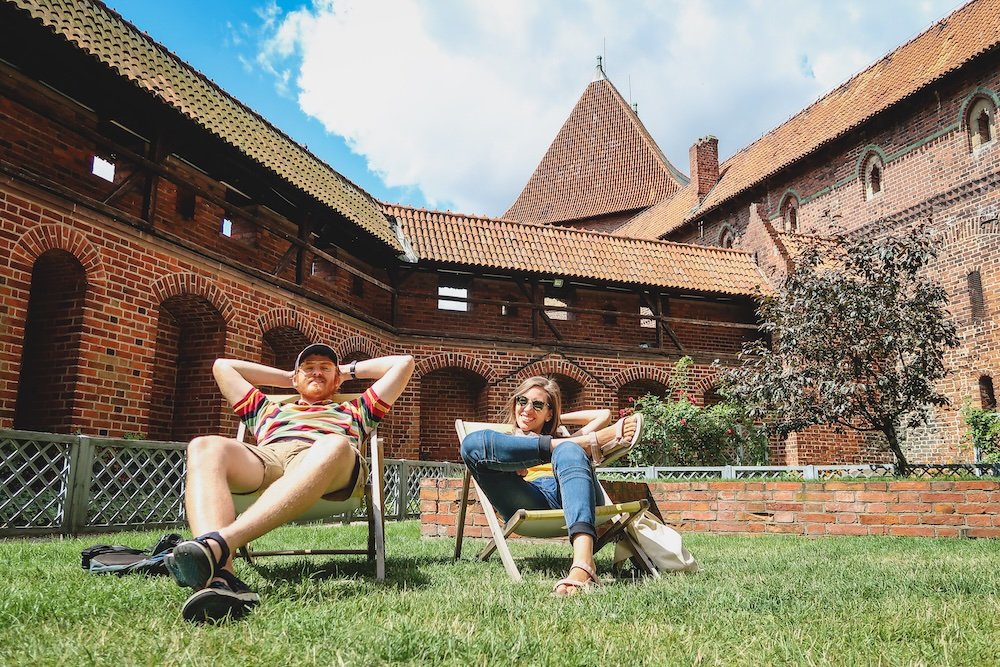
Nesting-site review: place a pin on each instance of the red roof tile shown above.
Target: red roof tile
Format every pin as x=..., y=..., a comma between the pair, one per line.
x=559, y=251
x=602, y=161
x=100, y=32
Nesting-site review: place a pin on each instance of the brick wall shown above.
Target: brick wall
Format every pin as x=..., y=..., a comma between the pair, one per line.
x=903, y=508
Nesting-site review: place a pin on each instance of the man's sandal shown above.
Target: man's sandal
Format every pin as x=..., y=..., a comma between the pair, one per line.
x=229, y=599
x=585, y=587
x=192, y=563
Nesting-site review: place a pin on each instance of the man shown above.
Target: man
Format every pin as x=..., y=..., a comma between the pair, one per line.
x=305, y=450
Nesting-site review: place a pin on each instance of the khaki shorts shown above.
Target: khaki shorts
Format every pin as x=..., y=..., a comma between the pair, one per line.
x=281, y=457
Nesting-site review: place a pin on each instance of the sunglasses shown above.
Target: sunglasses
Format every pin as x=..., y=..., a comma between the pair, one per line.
x=537, y=405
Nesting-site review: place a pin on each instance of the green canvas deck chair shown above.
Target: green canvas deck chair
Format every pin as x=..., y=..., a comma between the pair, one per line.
x=372, y=494
x=544, y=523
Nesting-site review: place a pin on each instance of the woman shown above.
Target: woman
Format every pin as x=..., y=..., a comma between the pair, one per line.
x=538, y=467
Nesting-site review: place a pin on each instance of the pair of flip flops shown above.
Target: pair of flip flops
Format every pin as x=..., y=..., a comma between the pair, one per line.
x=585, y=587
x=619, y=445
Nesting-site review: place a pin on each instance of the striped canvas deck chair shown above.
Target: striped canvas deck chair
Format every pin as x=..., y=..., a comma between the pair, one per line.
x=370, y=494
x=614, y=517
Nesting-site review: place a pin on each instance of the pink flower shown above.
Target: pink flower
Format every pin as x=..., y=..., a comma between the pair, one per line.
x=684, y=422
x=729, y=431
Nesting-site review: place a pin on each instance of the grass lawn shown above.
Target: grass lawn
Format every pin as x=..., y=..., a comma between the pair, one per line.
x=757, y=601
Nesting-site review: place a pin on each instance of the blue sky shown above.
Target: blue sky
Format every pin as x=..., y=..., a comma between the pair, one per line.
x=450, y=104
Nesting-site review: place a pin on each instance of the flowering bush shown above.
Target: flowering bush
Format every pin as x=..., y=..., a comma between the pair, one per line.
x=678, y=432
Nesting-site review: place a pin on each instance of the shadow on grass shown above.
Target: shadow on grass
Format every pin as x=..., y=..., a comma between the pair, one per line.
x=400, y=572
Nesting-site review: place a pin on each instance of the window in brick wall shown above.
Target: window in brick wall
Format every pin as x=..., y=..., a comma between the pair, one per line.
x=977, y=301
x=357, y=285
x=874, y=176
x=557, y=299
x=727, y=237
x=227, y=227
x=103, y=168
x=184, y=204
x=509, y=309
x=981, y=123
x=986, y=396
x=790, y=214
x=609, y=318
x=238, y=230
x=646, y=322
x=320, y=268
x=453, y=290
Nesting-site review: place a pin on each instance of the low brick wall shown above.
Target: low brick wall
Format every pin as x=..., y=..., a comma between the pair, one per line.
x=913, y=508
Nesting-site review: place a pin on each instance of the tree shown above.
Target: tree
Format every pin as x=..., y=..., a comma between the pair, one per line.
x=858, y=332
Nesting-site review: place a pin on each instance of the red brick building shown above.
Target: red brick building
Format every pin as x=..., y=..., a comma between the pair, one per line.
x=153, y=223
x=912, y=138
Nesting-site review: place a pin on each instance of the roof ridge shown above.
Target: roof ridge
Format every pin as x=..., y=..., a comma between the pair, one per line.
x=555, y=229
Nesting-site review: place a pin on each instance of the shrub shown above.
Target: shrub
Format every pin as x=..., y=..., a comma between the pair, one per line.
x=984, y=431
x=680, y=433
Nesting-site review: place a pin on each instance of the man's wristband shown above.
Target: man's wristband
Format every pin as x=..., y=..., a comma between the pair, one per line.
x=354, y=370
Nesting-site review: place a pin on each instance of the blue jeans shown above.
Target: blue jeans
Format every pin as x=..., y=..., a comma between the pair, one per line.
x=494, y=457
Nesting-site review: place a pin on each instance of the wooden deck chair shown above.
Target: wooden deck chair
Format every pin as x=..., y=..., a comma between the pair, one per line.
x=543, y=523
x=371, y=493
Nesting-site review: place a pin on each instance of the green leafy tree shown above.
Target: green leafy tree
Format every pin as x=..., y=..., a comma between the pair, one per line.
x=984, y=431
x=855, y=339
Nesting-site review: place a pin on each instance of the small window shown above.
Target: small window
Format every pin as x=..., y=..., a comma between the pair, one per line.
x=610, y=315
x=238, y=230
x=453, y=292
x=981, y=123
x=508, y=309
x=701, y=230
x=727, y=237
x=558, y=299
x=976, y=299
x=790, y=215
x=227, y=227
x=874, y=176
x=104, y=169
x=320, y=268
x=986, y=396
x=556, y=308
x=185, y=203
x=646, y=322
x=357, y=286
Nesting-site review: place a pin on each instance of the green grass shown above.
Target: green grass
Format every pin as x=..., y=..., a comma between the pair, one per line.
x=757, y=601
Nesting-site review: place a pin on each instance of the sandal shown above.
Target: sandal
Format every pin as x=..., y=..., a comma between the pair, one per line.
x=585, y=587
x=192, y=563
x=619, y=446
x=227, y=599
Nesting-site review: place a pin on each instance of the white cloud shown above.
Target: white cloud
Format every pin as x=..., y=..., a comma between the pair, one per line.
x=461, y=99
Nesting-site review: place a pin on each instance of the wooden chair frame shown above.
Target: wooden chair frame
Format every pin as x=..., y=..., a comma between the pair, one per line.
x=543, y=523
x=372, y=493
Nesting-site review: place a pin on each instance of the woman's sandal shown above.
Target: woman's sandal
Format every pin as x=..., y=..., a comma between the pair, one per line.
x=585, y=587
x=620, y=445
x=192, y=563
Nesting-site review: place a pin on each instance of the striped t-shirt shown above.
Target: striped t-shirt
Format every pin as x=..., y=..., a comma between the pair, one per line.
x=272, y=422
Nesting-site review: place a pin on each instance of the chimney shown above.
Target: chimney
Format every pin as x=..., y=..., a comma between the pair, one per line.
x=705, y=164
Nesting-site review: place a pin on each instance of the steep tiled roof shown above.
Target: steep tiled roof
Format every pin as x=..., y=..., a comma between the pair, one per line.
x=602, y=161
x=101, y=33
x=571, y=253
x=652, y=222
x=953, y=41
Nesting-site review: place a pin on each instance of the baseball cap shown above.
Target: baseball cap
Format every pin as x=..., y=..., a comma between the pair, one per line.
x=321, y=349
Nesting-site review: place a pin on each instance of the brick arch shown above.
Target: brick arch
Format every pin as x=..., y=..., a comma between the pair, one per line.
x=866, y=153
x=456, y=360
x=288, y=317
x=621, y=378
x=707, y=383
x=176, y=284
x=969, y=227
x=366, y=346
x=43, y=238
x=556, y=367
x=973, y=97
